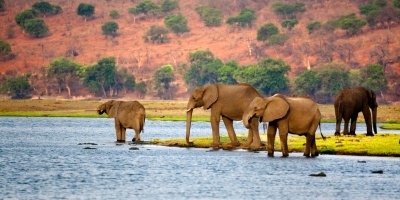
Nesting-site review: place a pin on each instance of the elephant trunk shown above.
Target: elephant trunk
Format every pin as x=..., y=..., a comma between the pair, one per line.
x=188, y=125
x=246, y=119
x=374, y=113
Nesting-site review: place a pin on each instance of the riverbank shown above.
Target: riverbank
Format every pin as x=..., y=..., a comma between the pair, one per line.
x=386, y=145
x=167, y=110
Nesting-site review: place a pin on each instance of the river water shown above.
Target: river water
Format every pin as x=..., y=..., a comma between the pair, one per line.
x=77, y=158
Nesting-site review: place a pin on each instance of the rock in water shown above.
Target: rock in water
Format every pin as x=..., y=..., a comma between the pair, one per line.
x=321, y=174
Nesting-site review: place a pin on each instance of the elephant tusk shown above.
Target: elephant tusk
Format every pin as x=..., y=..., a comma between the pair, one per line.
x=189, y=109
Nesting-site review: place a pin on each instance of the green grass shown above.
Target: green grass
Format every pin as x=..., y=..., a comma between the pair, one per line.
x=390, y=126
x=379, y=145
x=50, y=114
x=178, y=118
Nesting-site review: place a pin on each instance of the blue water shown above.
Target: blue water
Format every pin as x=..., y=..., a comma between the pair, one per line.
x=77, y=158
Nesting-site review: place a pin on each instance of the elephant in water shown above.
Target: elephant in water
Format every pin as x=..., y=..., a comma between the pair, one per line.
x=349, y=102
x=226, y=101
x=127, y=114
x=296, y=115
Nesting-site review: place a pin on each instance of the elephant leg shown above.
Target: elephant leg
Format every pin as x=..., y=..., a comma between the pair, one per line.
x=283, y=134
x=338, y=122
x=367, y=118
x=231, y=132
x=353, y=124
x=314, y=150
x=311, y=146
x=118, y=131
x=271, y=132
x=346, y=127
x=123, y=133
x=137, y=136
x=311, y=138
x=215, y=131
x=255, y=134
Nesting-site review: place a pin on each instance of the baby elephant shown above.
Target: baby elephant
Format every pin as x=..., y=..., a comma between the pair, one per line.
x=296, y=115
x=127, y=114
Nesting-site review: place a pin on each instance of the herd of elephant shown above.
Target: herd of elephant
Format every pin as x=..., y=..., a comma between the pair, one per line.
x=295, y=115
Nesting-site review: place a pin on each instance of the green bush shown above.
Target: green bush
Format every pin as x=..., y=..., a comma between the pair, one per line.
x=177, y=23
x=266, y=31
x=114, y=14
x=36, y=28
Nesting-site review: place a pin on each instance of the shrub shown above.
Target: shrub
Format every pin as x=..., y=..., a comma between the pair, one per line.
x=114, y=14
x=36, y=28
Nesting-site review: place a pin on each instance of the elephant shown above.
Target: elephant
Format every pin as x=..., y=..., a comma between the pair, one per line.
x=296, y=115
x=349, y=102
x=126, y=114
x=227, y=102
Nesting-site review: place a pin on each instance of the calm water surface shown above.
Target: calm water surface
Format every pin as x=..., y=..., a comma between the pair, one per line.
x=53, y=158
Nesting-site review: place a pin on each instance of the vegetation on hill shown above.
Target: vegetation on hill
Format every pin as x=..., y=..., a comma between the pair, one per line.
x=300, y=48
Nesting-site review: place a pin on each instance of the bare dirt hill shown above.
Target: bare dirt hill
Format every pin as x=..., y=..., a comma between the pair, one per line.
x=68, y=31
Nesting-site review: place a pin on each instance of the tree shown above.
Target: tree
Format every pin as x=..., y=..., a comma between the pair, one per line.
x=145, y=7
x=22, y=17
x=374, y=78
x=157, y=34
x=141, y=88
x=43, y=7
x=227, y=71
x=212, y=17
x=65, y=73
x=351, y=24
x=5, y=49
x=313, y=26
x=110, y=28
x=162, y=79
x=289, y=23
x=203, y=69
x=18, y=87
x=278, y=39
x=334, y=77
x=245, y=18
x=307, y=83
x=2, y=6
x=85, y=10
x=269, y=76
x=36, y=28
x=169, y=5
x=396, y=3
x=266, y=31
x=177, y=23
x=123, y=81
x=288, y=10
x=100, y=77
x=114, y=14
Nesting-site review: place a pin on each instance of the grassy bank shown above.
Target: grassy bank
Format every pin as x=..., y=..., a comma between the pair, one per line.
x=379, y=145
x=155, y=110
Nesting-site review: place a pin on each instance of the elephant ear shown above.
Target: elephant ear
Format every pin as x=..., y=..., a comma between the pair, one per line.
x=113, y=109
x=276, y=108
x=210, y=96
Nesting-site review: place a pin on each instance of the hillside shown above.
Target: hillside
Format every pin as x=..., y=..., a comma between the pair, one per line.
x=68, y=31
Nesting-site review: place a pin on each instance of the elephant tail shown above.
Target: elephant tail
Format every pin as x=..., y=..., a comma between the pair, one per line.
x=141, y=129
x=320, y=130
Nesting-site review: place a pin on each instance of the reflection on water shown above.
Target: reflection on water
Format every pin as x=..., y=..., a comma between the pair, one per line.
x=40, y=159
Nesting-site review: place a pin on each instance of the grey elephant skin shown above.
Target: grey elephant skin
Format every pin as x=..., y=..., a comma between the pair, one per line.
x=349, y=102
x=127, y=115
x=296, y=115
x=227, y=102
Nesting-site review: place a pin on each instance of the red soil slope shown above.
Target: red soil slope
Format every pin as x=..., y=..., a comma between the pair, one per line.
x=70, y=31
